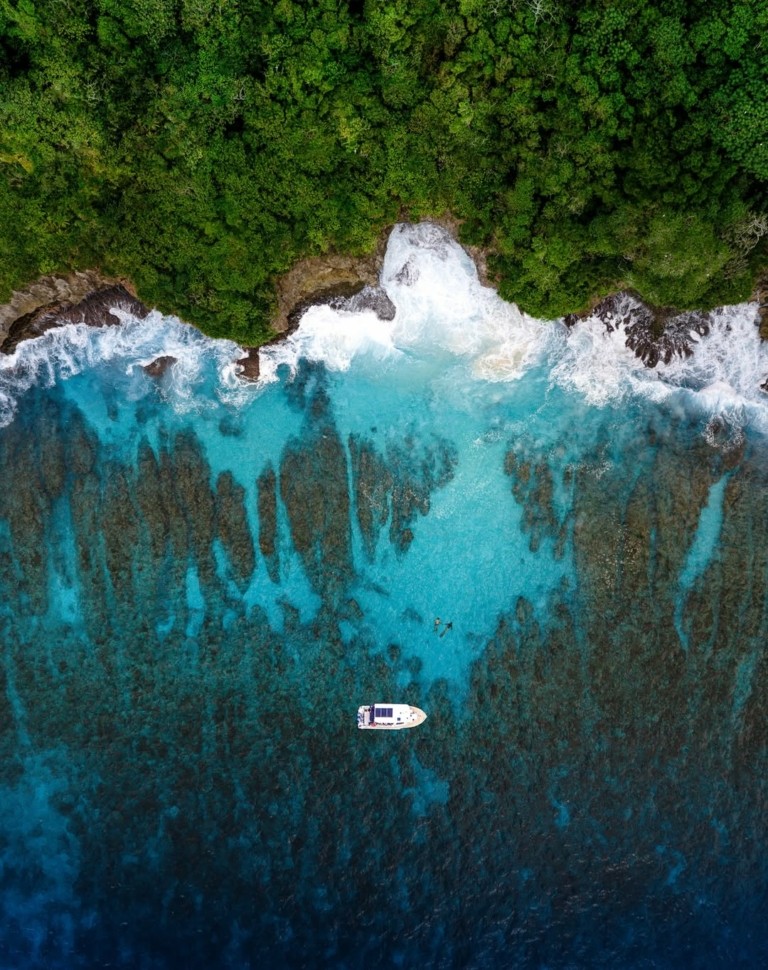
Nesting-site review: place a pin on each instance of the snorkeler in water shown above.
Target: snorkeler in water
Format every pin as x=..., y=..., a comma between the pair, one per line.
x=448, y=626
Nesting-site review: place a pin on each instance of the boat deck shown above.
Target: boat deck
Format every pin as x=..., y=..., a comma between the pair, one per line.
x=389, y=717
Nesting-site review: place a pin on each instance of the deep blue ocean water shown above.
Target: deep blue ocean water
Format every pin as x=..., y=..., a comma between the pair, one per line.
x=202, y=580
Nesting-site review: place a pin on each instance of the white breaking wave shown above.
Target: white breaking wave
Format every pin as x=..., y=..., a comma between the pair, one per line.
x=721, y=377
x=444, y=315
x=599, y=366
x=63, y=352
x=335, y=337
x=442, y=311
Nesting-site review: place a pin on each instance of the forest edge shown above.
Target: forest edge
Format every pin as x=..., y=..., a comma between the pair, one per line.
x=89, y=296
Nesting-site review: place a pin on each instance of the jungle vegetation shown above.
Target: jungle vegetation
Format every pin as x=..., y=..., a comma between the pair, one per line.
x=201, y=147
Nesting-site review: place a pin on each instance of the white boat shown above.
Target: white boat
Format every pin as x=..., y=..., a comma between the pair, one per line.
x=389, y=717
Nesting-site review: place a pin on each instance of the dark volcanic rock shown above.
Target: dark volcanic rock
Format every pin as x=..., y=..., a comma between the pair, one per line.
x=319, y=279
x=760, y=296
x=674, y=340
x=371, y=298
x=249, y=364
x=32, y=325
x=354, y=297
x=762, y=321
x=335, y=296
x=159, y=366
x=407, y=275
x=654, y=334
x=95, y=310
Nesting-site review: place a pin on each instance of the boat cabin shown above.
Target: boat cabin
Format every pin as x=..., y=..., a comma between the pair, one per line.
x=385, y=715
x=389, y=717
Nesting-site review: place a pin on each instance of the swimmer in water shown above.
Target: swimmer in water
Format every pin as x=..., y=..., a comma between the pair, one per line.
x=437, y=623
x=448, y=626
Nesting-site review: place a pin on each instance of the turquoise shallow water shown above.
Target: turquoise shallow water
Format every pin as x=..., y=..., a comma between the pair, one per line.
x=201, y=581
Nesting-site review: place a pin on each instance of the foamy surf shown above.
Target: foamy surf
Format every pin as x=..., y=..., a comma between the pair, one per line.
x=445, y=317
x=721, y=377
x=333, y=337
x=199, y=363
x=443, y=313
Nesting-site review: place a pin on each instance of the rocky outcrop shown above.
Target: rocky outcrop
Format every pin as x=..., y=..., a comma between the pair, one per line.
x=248, y=365
x=370, y=298
x=325, y=279
x=61, y=288
x=343, y=282
x=351, y=282
x=159, y=366
x=653, y=333
x=355, y=298
x=56, y=300
x=356, y=290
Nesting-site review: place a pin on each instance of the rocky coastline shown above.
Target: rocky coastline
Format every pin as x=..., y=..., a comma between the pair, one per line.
x=80, y=297
x=655, y=334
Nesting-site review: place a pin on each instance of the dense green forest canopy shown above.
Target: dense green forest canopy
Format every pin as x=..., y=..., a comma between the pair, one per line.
x=201, y=147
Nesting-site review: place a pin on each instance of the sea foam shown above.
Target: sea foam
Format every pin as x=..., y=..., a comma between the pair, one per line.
x=443, y=313
x=444, y=316
x=64, y=352
x=721, y=377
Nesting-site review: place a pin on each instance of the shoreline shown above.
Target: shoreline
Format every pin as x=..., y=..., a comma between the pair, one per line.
x=60, y=298
x=352, y=282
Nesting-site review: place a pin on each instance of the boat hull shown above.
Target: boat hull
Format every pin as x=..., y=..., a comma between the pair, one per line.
x=403, y=716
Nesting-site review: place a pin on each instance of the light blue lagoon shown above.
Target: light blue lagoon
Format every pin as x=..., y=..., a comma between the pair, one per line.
x=203, y=579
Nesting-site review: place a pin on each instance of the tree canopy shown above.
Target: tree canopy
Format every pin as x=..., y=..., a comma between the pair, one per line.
x=201, y=147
